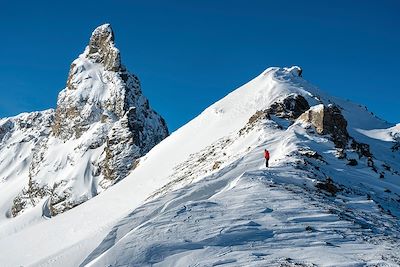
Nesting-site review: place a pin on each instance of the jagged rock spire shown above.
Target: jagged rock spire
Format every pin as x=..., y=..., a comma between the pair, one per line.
x=101, y=48
x=102, y=124
x=95, y=92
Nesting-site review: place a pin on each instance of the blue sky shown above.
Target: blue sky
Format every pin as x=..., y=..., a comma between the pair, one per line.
x=189, y=54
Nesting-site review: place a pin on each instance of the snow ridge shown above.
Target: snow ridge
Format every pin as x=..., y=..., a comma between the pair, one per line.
x=312, y=208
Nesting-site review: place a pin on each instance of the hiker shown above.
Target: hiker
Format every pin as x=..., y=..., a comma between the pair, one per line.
x=266, y=156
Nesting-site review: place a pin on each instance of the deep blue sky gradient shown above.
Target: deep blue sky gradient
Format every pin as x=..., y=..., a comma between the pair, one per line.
x=189, y=54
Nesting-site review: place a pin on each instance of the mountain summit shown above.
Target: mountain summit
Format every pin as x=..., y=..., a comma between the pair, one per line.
x=101, y=48
x=102, y=124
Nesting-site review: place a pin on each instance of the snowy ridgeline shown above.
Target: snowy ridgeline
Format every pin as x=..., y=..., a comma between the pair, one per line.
x=322, y=202
x=202, y=196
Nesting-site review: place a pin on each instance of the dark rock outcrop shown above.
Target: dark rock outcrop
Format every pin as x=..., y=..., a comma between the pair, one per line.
x=328, y=186
x=396, y=147
x=5, y=128
x=362, y=149
x=291, y=107
x=396, y=140
x=352, y=162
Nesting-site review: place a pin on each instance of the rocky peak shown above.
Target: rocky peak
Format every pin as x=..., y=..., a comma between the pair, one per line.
x=102, y=35
x=98, y=88
x=102, y=125
x=101, y=48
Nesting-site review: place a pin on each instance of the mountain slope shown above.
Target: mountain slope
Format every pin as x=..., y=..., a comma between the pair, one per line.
x=311, y=208
x=203, y=195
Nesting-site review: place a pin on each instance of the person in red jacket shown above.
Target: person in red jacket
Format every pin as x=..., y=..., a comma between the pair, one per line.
x=266, y=156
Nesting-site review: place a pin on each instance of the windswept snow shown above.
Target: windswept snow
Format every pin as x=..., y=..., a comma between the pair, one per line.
x=246, y=215
x=387, y=135
x=203, y=196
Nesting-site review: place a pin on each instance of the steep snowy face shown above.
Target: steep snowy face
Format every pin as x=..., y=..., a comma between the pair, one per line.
x=101, y=125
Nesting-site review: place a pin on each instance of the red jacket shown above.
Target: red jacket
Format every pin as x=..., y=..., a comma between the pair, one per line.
x=266, y=154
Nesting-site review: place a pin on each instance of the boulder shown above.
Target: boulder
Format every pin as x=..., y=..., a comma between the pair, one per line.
x=328, y=120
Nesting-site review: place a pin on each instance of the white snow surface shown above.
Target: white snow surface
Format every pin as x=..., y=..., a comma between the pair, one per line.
x=203, y=197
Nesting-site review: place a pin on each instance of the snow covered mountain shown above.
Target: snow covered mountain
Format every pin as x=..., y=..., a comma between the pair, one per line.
x=330, y=198
x=57, y=159
x=203, y=197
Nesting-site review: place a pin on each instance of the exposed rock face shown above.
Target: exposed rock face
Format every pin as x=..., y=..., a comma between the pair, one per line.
x=328, y=120
x=361, y=149
x=101, y=48
x=5, y=128
x=396, y=146
x=396, y=140
x=96, y=91
x=101, y=126
x=328, y=186
x=291, y=107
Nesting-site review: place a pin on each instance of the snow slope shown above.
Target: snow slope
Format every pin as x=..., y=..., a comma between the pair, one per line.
x=203, y=196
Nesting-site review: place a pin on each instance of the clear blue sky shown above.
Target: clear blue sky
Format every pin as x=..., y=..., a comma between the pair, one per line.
x=189, y=54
